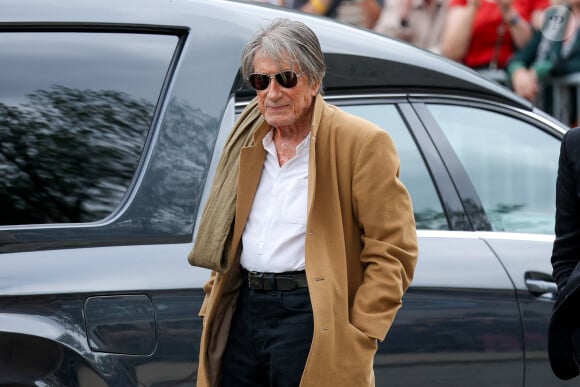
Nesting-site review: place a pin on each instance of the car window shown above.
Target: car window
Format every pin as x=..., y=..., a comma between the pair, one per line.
x=73, y=126
x=414, y=174
x=511, y=164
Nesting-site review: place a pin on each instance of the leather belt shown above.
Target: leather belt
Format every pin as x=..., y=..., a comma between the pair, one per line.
x=276, y=281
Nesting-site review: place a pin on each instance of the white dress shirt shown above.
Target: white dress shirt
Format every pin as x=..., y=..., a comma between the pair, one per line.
x=274, y=237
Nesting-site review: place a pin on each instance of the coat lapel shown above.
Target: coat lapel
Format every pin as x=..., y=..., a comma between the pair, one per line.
x=251, y=164
x=319, y=105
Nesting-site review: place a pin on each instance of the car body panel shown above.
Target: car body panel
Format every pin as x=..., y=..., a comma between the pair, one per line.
x=68, y=290
x=445, y=333
x=526, y=259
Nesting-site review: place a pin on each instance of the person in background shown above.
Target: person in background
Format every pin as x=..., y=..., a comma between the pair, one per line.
x=419, y=22
x=317, y=7
x=553, y=51
x=483, y=34
x=362, y=13
x=323, y=242
x=564, y=328
x=279, y=3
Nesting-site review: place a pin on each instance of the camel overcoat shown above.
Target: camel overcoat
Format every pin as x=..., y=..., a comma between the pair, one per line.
x=361, y=250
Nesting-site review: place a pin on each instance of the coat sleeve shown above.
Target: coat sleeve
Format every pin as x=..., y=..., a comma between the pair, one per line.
x=566, y=249
x=384, y=211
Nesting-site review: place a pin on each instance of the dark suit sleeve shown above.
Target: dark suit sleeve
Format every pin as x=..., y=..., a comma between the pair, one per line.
x=566, y=249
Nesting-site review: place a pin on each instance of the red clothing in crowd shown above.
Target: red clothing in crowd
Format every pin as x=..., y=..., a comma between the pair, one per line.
x=485, y=42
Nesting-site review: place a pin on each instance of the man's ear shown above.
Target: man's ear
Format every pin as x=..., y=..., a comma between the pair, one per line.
x=315, y=88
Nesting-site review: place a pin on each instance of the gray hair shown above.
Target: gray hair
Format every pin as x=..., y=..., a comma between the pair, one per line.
x=287, y=40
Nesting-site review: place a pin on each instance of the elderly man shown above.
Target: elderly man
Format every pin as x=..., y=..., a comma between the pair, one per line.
x=322, y=242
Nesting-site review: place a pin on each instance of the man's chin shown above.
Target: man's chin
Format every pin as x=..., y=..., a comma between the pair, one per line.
x=277, y=121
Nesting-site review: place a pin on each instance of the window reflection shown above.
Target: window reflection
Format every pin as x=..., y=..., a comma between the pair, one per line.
x=75, y=110
x=511, y=164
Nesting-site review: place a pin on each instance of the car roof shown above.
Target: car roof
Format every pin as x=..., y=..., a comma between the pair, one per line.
x=357, y=59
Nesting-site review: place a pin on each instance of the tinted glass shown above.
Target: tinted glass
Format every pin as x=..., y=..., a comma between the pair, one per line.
x=414, y=174
x=511, y=163
x=75, y=110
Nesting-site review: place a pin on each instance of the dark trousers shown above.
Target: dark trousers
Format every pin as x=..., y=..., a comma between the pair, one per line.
x=269, y=339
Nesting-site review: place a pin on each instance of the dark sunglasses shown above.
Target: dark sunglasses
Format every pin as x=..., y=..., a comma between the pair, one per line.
x=287, y=79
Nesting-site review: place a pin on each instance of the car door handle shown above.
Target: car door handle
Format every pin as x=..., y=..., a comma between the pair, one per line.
x=540, y=286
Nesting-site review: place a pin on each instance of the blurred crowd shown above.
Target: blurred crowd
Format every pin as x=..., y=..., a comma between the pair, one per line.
x=528, y=41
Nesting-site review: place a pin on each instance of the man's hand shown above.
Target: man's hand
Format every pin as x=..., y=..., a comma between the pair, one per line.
x=525, y=83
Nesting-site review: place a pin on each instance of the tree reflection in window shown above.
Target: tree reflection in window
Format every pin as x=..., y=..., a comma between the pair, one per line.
x=69, y=155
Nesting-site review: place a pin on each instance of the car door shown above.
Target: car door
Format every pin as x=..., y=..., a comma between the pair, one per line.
x=507, y=162
x=460, y=322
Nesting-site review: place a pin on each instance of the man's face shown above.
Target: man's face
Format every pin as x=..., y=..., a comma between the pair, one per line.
x=283, y=107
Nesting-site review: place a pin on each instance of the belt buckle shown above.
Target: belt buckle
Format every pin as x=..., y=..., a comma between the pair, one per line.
x=262, y=281
x=255, y=280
